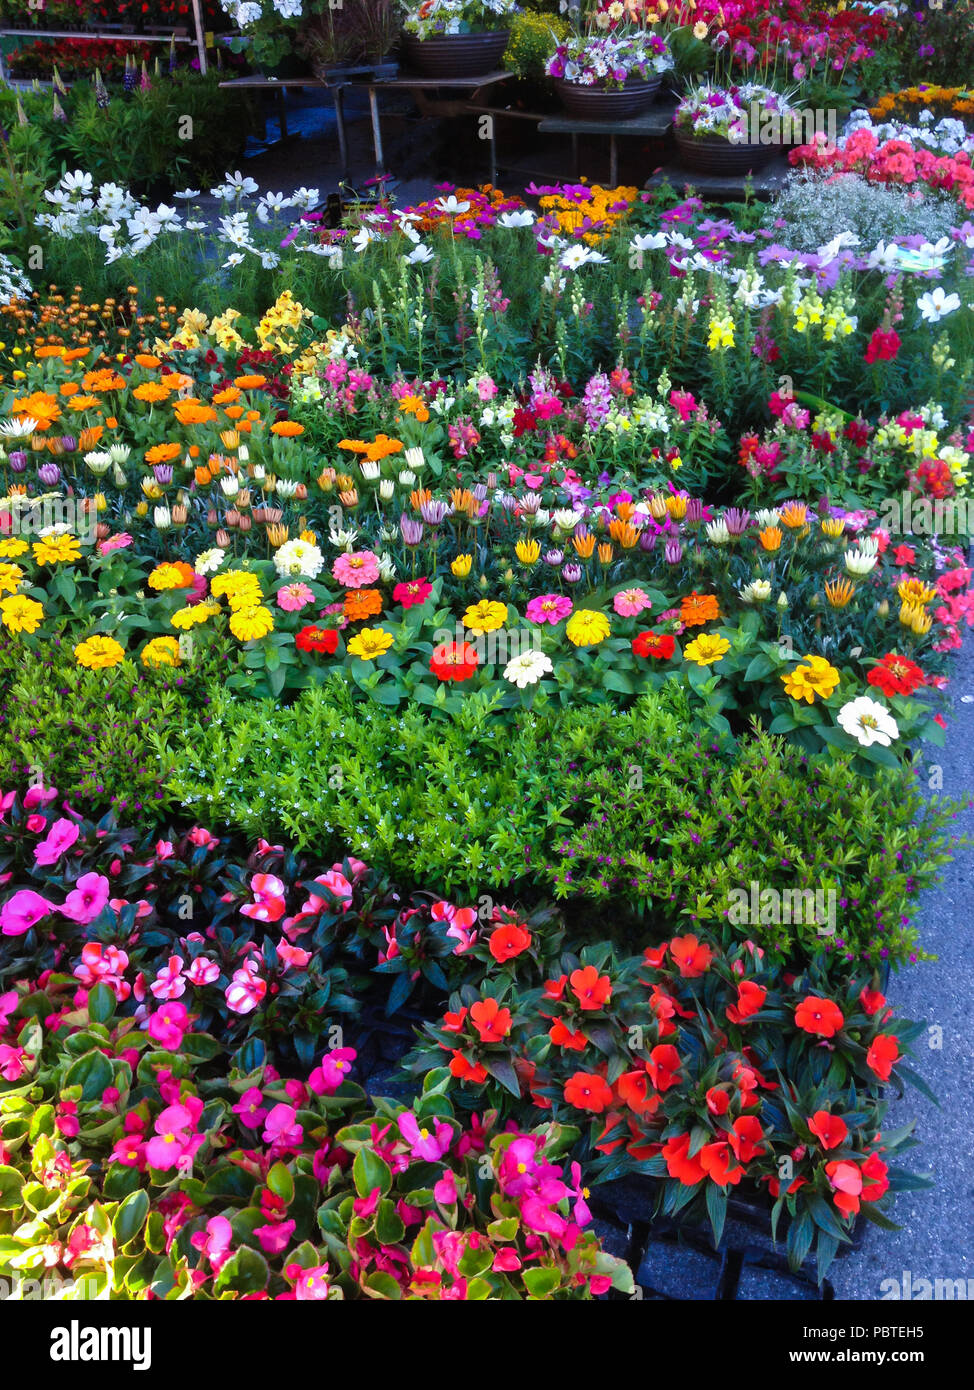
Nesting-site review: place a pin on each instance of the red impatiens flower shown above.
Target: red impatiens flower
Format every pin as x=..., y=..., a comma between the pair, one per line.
x=588, y=1091
x=904, y=555
x=692, y=956
x=412, y=592
x=745, y=1138
x=715, y=1159
x=750, y=998
x=846, y=1180
x=465, y=1070
x=554, y=989
x=591, y=989
x=491, y=1021
x=875, y=1183
x=453, y=1023
x=718, y=1100
x=829, y=1130
x=679, y=1165
x=453, y=661
x=632, y=1088
x=883, y=1055
x=871, y=1000
x=896, y=675
x=317, y=639
x=562, y=1036
x=508, y=940
x=819, y=1016
x=661, y=645
x=664, y=1066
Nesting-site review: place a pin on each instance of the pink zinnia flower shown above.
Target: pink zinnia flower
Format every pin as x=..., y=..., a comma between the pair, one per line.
x=121, y=541
x=60, y=838
x=549, y=608
x=293, y=597
x=630, y=603
x=412, y=592
x=357, y=569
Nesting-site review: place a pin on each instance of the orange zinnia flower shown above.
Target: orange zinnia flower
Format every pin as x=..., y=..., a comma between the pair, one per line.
x=362, y=603
x=697, y=609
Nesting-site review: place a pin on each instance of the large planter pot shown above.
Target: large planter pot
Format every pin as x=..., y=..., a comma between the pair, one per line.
x=596, y=104
x=712, y=154
x=454, y=55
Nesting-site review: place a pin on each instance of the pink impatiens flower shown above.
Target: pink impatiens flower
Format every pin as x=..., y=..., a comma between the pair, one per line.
x=268, y=904
x=58, y=840
x=203, y=971
x=245, y=991
x=87, y=898
x=169, y=983
x=22, y=911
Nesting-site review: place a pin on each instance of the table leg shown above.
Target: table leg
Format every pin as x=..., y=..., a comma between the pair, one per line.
x=575, y=164
x=376, y=131
x=613, y=163
x=340, y=121
x=493, y=151
x=282, y=111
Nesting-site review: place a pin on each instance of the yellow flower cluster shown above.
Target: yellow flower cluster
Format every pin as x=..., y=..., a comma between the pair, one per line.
x=277, y=328
x=603, y=208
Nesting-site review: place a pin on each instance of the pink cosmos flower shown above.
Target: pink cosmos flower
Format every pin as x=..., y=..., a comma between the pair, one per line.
x=332, y=1071
x=425, y=1143
x=167, y=1026
x=293, y=597
x=631, y=602
x=60, y=838
x=86, y=900
x=22, y=911
x=357, y=569
x=549, y=608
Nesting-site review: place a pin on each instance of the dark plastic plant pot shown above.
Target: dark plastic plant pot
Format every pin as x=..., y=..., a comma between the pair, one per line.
x=454, y=55
x=597, y=104
x=712, y=154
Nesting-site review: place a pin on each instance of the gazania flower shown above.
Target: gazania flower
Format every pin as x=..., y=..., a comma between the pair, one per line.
x=20, y=614
x=815, y=677
x=527, y=669
x=453, y=661
x=317, y=639
x=896, y=675
x=706, y=649
x=55, y=550
x=697, y=609
x=660, y=645
x=915, y=591
x=819, y=1016
x=587, y=628
x=486, y=616
x=370, y=643
x=161, y=651
x=839, y=593
x=771, y=538
x=98, y=652
x=868, y=721
x=251, y=624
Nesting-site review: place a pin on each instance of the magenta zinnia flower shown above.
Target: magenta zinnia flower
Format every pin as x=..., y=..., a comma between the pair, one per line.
x=293, y=597
x=549, y=608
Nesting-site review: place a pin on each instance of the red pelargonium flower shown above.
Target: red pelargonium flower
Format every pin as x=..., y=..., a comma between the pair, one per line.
x=508, y=941
x=491, y=1021
x=896, y=675
x=883, y=1055
x=830, y=1130
x=693, y=957
x=588, y=1091
x=454, y=661
x=819, y=1016
x=591, y=989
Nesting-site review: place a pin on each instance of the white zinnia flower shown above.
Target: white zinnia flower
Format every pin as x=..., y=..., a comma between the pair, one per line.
x=209, y=561
x=527, y=669
x=298, y=559
x=868, y=721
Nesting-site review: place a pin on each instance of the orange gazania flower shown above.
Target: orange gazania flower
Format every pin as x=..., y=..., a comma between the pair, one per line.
x=89, y=437
x=287, y=429
x=362, y=603
x=163, y=453
x=697, y=609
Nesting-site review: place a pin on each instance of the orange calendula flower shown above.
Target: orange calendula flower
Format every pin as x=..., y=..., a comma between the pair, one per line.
x=152, y=391
x=163, y=453
x=287, y=429
x=227, y=396
x=51, y=351
x=83, y=402
x=104, y=379
x=148, y=360
x=250, y=382
x=192, y=412
x=40, y=406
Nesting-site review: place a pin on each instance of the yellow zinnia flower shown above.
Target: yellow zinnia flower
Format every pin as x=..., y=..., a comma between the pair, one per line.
x=706, y=649
x=816, y=677
x=185, y=618
x=10, y=577
x=251, y=624
x=370, y=643
x=461, y=566
x=97, y=652
x=587, y=628
x=161, y=651
x=52, y=550
x=20, y=614
x=485, y=616
x=11, y=547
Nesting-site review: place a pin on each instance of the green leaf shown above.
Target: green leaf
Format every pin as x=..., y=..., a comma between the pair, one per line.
x=370, y=1172
x=246, y=1271
x=716, y=1210
x=11, y=1184
x=389, y=1226
x=101, y=1004
x=281, y=1183
x=541, y=1283
x=131, y=1216
x=382, y=1285
x=92, y=1072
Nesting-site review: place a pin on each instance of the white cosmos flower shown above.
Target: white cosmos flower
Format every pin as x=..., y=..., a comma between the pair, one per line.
x=419, y=255
x=522, y=218
x=187, y=193
x=577, y=256
x=936, y=304
x=868, y=721
x=651, y=241
x=527, y=669
x=451, y=205
x=362, y=238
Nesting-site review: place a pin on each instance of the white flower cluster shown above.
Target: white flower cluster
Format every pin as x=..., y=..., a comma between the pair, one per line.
x=948, y=136
x=436, y=17
x=246, y=13
x=13, y=282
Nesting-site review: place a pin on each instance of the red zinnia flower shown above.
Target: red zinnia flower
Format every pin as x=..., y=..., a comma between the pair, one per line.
x=658, y=644
x=412, y=592
x=317, y=639
x=819, y=1016
x=896, y=675
x=453, y=661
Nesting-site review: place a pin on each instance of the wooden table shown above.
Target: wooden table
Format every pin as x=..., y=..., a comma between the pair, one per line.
x=419, y=86
x=281, y=85
x=655, y=123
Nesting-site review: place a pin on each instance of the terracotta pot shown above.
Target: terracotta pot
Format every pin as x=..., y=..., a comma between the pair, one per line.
x=454, y=55
x=712, y=154
x=596, y=104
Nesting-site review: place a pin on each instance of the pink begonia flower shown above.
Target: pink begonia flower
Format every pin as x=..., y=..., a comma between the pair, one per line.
x=631, y=602
x=39, y=796
x=275, y=1238
x=580, y=1211
x=130, y=1152
x=280, y=1127
x=203, y=971
x=22, y=911
x=424, y=1143
x=168, y=1024
x=292, y=955
x=445, y=1190
x=312, y=1285
x=87, y=898
x=333, y=1070
x=245, y=991
x=365, y=1206
x=268, y=904
x=169, y=983
x=214, y=1242
x=249, y=1108
x=506, y=1262
x=174, y=1142
x=12, y=1062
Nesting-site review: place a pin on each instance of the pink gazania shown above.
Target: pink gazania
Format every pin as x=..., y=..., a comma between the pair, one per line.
x=631, y=602
x=356, y=569
x=245, y=991
x=269, y=904
x=58, y=840
x=293, y=597
x=23, y=911
x=87, y=899
x=169, y=983
x=549, y=608
x=167, y=1025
